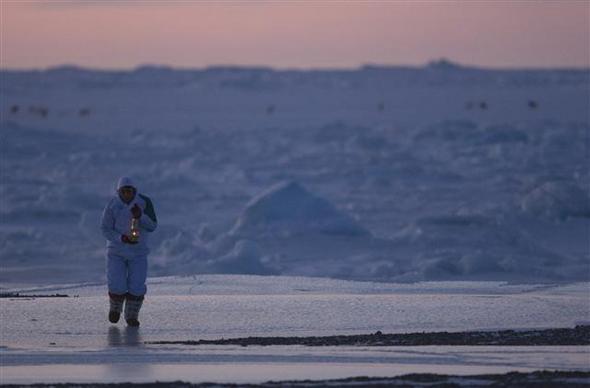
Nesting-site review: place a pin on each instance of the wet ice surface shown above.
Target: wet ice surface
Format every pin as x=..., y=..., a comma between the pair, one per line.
x=69, y=339
x=278, y=363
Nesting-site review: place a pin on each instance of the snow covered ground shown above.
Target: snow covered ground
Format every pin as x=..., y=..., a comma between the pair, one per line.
x=69, y=339
x=439, y=172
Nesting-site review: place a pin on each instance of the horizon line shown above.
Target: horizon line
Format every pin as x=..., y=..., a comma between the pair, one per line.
x=440, y=62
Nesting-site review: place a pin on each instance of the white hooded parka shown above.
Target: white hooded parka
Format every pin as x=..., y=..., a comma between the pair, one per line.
x=116, y=221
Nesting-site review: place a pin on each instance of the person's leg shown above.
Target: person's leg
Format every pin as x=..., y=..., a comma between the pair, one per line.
x=117, y=284
x=136, y=289
x=133, y=304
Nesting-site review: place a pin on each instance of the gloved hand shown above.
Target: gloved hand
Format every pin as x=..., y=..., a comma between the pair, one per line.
x=127, y=240
x=136, y=211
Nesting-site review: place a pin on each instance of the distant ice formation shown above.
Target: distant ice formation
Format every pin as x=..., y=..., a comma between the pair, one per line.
x=287, y=209
x=442, y=171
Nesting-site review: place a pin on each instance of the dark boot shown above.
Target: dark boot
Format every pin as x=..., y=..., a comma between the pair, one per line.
x=116, y=306
x=132, y=307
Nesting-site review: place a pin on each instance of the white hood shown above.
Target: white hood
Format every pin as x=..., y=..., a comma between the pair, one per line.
x=125, y=181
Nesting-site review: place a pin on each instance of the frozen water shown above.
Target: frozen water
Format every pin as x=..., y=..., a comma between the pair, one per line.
x=441, y=172
x=213, y=306
x=69, y=339
x=254, y=365
x=448, y=171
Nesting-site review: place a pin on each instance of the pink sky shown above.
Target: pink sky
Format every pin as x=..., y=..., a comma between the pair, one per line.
x=300, y=34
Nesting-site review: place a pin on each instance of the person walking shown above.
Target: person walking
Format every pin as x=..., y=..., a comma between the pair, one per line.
x=127, y=220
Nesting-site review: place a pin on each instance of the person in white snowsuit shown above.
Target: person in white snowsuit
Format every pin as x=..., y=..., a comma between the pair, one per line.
x=126, y=255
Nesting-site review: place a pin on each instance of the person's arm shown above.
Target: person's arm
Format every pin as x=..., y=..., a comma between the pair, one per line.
x=149, y=220
x=107, y=225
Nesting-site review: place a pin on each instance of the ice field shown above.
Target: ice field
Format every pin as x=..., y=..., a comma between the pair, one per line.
x=70, y=339
x=440, y=172
x=320, y=202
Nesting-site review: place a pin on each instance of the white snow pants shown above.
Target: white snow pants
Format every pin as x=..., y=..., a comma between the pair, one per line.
x=126, y=275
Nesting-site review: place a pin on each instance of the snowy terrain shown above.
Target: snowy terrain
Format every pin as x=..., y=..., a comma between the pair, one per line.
x=295, y=203
x=68, y=339
x=439, y=172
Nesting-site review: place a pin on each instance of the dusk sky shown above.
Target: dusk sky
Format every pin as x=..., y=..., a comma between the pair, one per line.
x=294, y=34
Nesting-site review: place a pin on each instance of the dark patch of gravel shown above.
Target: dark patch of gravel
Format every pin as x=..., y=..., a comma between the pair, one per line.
x=28, y=296
x=579, y=335
x=539, y=379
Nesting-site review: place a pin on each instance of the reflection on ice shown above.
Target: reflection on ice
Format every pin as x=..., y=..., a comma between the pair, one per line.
x=129, y=337
x=216, y=306
x=123, y=371
x=253, y=364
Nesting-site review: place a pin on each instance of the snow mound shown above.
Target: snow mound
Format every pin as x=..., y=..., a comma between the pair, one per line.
x=288, y=209
x=557, y=200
